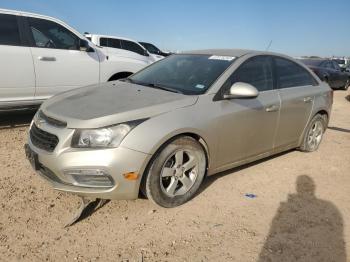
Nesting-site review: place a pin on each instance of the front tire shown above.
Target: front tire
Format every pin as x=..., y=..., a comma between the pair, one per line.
x=314, y=134
x=176, y=173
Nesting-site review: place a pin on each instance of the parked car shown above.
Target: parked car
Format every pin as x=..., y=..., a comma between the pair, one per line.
x=122, y=47
x=342, y=62
x=164, y=128
x=154, y=50
x=42, y=56
x=329, y=71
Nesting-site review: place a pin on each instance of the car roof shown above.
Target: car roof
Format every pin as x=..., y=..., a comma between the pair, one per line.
x=17, y=12
x=229, y=52
x=21, y=13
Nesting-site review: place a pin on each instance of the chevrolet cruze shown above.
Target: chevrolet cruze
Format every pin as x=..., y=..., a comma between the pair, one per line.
x=163, y=129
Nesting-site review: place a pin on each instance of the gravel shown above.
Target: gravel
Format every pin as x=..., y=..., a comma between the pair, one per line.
x=219, y=224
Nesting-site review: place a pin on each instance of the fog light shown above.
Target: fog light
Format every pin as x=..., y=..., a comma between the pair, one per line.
x=90, y=178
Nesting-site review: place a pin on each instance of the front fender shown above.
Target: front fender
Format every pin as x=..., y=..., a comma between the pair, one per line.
x=149, y=136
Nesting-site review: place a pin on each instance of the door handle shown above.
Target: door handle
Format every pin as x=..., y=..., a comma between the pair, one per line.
x=47, y=58
x=272, y=108
x=307, y=99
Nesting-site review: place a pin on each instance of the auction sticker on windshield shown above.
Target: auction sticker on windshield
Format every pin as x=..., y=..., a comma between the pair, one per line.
x=219, y=57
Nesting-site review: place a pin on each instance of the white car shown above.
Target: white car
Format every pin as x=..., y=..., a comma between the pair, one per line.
x=42, y=56
x=123, y=47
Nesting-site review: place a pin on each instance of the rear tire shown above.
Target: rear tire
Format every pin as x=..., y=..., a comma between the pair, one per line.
x=347, y=84
x=176, y=173
x=314, y=133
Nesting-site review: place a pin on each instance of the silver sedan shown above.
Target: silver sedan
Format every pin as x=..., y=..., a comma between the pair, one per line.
x=163, y=129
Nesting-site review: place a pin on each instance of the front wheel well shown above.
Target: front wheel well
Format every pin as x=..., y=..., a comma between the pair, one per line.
x=197, y=137
x=119, y=75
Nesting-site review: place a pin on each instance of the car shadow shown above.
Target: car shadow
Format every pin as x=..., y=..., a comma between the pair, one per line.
x=305, y=228
x=347, y=98
x=16, y=119
x=212, y=178
x=339, y=129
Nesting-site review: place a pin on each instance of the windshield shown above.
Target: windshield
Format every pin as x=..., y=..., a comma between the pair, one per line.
x=187, y=74
x=311, y=62
x=150, y=48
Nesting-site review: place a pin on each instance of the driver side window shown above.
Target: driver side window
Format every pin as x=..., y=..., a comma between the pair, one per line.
x=256, y=71
x=48, y=34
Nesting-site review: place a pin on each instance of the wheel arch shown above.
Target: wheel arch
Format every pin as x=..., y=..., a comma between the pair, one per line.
x=324, y=113
x=192, y=134
x=167, y=141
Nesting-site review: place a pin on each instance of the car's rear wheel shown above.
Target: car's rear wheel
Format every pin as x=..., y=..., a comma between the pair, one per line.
x=176, y=173
x=347, y=84
x=314, y=134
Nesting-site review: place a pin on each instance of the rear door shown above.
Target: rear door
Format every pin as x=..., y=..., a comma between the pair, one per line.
x=297, y=89
x=16, y=65
x=59, y=64
x=247, y=127
x=341, y=75
x=334, y=78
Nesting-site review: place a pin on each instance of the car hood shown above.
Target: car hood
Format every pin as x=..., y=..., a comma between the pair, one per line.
x=112, y=103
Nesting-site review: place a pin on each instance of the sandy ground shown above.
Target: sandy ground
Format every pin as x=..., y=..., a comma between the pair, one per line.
x=286, y=221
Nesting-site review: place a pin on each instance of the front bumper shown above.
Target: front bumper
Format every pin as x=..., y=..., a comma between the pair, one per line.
x=53, y=166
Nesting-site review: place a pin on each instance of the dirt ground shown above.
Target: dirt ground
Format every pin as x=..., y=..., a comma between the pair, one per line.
x=300, y=212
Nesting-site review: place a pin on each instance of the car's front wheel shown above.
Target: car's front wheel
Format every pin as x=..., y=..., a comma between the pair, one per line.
x=175, y=173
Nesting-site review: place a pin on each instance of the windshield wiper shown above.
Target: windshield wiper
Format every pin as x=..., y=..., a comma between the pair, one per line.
x=153, y=85
x=164, y=88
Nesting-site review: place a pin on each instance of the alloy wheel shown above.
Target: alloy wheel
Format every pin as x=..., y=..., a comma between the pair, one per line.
x=179, y=173
x=315, y=135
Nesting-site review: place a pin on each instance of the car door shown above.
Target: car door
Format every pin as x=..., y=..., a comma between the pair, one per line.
x=16, y=64
x=297, y=89
x=341, y=75
x=59, y=63
x=247, y=127
x=333, y=75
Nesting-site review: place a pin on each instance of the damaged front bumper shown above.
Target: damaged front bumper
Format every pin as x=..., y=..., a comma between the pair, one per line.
x=92, y=173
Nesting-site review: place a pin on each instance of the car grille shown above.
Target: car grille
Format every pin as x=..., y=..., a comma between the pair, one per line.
x=42, y=139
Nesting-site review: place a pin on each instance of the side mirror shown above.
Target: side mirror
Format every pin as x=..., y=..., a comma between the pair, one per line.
x=145, y=53
x=241, y=90
x=84, y=46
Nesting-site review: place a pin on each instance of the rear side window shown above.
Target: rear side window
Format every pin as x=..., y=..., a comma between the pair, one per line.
x=290, y=74
x=9, y=32
x=104, y=41
x=115, y=43
x=49, y=34
x=110, y=42
x=336, y=66
x=256, y=71
x=133, y=47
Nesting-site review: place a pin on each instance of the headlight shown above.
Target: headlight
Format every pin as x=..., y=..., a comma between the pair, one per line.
x=106, y=137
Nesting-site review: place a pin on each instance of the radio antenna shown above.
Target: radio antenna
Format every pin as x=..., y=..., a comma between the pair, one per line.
x=268, y=46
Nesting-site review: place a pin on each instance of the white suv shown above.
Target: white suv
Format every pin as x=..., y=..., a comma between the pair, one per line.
x=123, y=47
x=41, y=56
